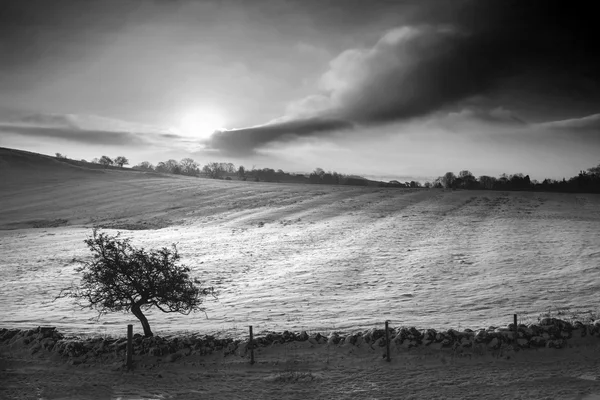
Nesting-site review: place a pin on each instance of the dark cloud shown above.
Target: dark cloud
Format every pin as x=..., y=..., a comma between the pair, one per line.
x=479, y=48
x=569, y=132
x=590, y=123
x=89, y=129
x=498, y=116
x=63, y=30
x=49, y=120
x=75, y=135
x=240, y=141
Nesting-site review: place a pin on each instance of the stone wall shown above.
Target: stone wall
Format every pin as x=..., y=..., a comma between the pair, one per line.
x=549, y=333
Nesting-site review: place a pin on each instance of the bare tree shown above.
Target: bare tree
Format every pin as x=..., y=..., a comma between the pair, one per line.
x=487, y=182
x=189, y=167
x=173, y=166
x=145, y=166
x=169, y=167
x=594, y=170
x=228, y=167
x=106, y=161
x=161, y=167
x=214, y=169
x=448, y=179
x=120, y=161
x=468, y=181
x=123, y=278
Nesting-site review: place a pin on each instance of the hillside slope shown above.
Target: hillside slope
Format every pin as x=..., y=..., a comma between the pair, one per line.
x=290, y=256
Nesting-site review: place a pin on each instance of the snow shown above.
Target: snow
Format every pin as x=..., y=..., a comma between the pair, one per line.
x=299, y=370
x=305, y=257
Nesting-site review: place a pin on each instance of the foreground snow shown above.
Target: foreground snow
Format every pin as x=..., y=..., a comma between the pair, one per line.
x=301, y=370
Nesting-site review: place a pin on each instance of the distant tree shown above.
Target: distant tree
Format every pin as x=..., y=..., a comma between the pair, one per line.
x=519, y=182
x=594, y=170
x=122, y=278
x=95, y=160
x=58, y=155
x=487, y=182
x=145, y=166
x=549, y=182
x=468, y=181
x=448, y=179
x=337, y=178
x=189, y=167
x=214, y=169
x=83, y=160
x=427, y=185
x=173, y=167
x=120, y=161
x=503, y=181
x=228, y=168
x=161, y=167
x=328, y=178
x=316, y=176
x=106, y=161
x=241, y=172
x=268, y=175
x=464, y=173
x=354, y=181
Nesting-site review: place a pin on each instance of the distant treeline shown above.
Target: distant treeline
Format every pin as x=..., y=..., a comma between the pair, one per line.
x=587, y=181
x=228, y=171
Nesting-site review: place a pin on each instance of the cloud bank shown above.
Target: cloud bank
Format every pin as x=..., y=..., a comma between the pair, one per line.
x=590, y=123
x=86, y=129
x=485, y=49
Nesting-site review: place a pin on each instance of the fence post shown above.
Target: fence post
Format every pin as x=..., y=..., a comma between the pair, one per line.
x=251, y=344
x=387, y=341
x=516, y=330
x=129, y=346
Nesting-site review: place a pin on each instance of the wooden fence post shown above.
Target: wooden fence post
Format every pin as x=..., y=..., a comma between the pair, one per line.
x=387, y=341
x=129, y=347
x=516, y=330
x=251, y=344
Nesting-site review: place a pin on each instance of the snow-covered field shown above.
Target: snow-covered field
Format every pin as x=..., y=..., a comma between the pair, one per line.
x=302, y=371
x=301, y=257
x=295, y=257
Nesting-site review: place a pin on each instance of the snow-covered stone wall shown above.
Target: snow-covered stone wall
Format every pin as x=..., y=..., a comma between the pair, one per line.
x=549, y=333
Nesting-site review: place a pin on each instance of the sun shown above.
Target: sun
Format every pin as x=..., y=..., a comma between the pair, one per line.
x=201, y=123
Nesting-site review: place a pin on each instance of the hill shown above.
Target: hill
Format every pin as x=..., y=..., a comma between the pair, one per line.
x=294, y=256
x=18, y=166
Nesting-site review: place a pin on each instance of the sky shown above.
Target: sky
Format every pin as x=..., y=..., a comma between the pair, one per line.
x=392, y=89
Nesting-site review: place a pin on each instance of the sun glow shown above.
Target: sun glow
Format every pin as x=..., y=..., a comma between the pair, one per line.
x=201, y=124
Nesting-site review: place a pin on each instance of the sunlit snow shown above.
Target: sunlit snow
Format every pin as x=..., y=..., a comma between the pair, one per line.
x=325, y=258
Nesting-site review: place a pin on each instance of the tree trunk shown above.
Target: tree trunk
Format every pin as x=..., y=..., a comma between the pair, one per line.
x=137, y=311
